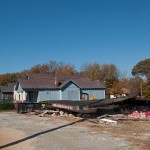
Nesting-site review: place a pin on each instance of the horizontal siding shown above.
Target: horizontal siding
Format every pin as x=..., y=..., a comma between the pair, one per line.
x=55, y=95
x=48, y=95
x=97, y=93
x=71, y=87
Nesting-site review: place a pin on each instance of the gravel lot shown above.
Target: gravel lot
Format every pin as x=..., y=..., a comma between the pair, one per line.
x=29, y=132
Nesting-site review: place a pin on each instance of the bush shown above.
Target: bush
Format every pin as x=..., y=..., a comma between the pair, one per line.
x=6, y=106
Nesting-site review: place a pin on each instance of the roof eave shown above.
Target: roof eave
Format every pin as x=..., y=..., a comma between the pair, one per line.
x=41, y=88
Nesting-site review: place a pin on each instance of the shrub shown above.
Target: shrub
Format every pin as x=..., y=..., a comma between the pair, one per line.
x=6, y=106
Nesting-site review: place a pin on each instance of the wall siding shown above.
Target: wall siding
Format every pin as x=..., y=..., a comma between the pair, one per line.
x=66, y=92
x=69, y=92
x=97, y=93
x=19, y=88
x=18, y=93
x=48, y=95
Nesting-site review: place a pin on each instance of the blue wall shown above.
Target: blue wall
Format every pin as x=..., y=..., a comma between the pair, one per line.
x=71, y=92
x=48, y=95
x=97, y=93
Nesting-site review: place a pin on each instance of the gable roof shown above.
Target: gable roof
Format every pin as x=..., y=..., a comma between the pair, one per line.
x=8, y=89
x=68, y=81
x=47, y=81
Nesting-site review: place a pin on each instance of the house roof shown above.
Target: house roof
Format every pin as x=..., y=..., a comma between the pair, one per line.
x=8, y=89
x=39, y=81
x=1, y=88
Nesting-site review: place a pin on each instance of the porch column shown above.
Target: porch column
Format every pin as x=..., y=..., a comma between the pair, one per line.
x=24, y=95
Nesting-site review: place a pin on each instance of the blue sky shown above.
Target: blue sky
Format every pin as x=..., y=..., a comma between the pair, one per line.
x=75, y=31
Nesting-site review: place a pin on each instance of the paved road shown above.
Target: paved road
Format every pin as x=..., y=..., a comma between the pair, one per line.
x=35, y=133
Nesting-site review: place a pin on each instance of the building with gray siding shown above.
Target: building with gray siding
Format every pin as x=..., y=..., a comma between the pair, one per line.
x=6, y=92
x=37, y=88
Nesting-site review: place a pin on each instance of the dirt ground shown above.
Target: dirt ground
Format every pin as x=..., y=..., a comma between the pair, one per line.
x=29, y=132
x=7, y=135
x=136, y=132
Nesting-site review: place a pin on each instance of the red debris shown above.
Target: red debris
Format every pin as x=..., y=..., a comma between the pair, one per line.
x=140, y=114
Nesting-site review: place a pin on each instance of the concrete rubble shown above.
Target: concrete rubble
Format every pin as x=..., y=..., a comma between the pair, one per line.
x=48, y=113
x=88, y=117
x=105, y=119
x=108, y=122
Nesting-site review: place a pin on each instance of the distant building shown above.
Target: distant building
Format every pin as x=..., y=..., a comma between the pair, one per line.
x=36, y=88
x=7, y=92
x=125, y=93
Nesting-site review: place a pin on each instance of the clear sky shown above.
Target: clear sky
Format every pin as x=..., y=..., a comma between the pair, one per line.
x=75, y=31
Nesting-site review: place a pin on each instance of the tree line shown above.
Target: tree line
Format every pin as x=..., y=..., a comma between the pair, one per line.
x=108, y=74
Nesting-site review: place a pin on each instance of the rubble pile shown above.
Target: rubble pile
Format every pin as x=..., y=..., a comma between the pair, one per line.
x=103, y=119
x=140, y=114
x=49, y=113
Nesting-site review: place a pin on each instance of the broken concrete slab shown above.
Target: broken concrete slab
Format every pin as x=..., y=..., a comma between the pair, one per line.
x=108, y=122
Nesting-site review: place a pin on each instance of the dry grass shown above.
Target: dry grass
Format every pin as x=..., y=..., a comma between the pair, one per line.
x=137, y=133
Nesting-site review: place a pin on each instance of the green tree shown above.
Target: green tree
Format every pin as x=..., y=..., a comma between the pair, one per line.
x=142, y=68
x=146, y=89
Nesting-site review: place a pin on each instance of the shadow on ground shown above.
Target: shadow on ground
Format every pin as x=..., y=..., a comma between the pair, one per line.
x=38, y=134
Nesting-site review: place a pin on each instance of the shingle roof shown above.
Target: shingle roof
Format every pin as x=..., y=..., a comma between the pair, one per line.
x=8, y=89
x=1, y=88
x=48, y=81
x=87, y=83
